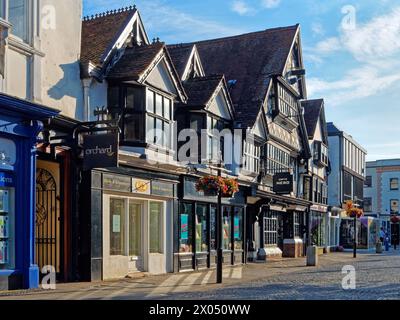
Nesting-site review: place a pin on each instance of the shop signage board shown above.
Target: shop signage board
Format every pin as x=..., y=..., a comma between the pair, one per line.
x=283, y=183
x=6, y=180
x=100, y=151
x=116, y=183
x=163, y=189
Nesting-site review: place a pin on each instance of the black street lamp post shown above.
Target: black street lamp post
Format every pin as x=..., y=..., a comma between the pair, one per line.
x=219, y=229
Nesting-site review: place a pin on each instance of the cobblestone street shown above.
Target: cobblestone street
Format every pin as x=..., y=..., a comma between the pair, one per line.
x=377, y=277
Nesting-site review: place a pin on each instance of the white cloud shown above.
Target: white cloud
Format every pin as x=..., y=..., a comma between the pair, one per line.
x=328, y=46
x=375, y=45
x=270, y=3
x=241, y=8
x=317, y=28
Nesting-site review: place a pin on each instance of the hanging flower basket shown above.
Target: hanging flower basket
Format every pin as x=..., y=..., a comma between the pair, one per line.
x=230, y=187
x=395, y=219
x=352, y=211
x=210, y=185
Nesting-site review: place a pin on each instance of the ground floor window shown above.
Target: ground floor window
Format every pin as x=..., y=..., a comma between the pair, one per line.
x=126, y=226
x=317, y=228
x=185, y=228
x=226, y=228
x=155, y=227
x=297, y=224
x=197, y=227
x=238, y=228
x=271, y=227
x=117, y=226
x=201, y=228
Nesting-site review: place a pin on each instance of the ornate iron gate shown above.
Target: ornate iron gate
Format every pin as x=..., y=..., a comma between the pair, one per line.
x=47, y=221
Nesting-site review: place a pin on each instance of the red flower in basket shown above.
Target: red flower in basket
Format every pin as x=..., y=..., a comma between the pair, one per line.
x=395, y=219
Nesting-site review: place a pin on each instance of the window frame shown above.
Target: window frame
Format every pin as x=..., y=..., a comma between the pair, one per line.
x=391, y=206
x=271, y=228
x=368, y=182
x=367, y=205
x=392, y=180
x=27, y=39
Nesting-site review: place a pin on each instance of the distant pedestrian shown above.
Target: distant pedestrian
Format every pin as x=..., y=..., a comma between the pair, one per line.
x=382, y=235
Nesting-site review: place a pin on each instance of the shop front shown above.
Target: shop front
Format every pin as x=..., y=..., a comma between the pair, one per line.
x=367, y=233
x=318, y=225
x=131, y=222
x=20, y=124
x=195, y=237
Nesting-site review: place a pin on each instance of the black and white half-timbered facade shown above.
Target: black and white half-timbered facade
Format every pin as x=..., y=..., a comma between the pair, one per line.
x=187, y=111
x=323, y=225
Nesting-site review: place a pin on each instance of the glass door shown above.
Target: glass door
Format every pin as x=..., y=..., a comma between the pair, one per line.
x=135, y=229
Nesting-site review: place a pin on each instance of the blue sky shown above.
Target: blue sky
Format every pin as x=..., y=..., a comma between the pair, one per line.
x=351, y=51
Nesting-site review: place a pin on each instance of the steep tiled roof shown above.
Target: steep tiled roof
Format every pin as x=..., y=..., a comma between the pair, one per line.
x=200, y=90
x=250, y=59
x=312, y=112
x=99, y=32
x=135, y=61
x=180, y=55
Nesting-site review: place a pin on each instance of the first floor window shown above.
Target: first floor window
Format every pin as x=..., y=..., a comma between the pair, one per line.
x=368, y=181
x=155, y=227
x=271, y=228
x=394, y=184
x=18, y=17
x=117, y=226
x=368, y=204
x=251, y=157
x=394, y=206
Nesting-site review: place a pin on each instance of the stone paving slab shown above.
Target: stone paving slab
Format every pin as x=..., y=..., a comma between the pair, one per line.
x=377, y=278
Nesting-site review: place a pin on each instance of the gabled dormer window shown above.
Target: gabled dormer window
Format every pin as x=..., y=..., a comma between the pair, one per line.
x=320, y=154
x=145, y=115
x=158, y=119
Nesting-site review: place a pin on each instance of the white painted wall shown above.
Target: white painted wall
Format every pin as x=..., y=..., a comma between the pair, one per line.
x=46, y=70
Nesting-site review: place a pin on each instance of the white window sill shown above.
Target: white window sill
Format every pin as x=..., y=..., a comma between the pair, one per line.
x=23, y=47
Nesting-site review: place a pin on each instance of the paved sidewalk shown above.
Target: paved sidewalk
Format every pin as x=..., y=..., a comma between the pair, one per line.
x=378, y=277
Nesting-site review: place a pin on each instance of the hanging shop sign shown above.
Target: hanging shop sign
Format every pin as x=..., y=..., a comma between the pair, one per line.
x=100, y=151
x=8, y=154
x=283, y=183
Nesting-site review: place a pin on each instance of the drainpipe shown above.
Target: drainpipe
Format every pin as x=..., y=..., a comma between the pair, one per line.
x=86, y=101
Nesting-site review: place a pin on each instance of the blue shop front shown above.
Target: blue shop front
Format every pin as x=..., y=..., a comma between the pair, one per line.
x=20, y=124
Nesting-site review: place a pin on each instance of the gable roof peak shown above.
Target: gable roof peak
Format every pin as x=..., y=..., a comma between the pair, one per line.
x=109, y=13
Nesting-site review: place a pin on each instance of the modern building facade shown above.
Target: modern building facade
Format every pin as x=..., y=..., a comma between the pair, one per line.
x=381, y=192
x=347, y=161
x=346, y=182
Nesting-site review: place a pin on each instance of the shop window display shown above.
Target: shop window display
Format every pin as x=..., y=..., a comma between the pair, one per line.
x=201, y=228
x=185, y=229
x=238, y=228
x=226, y=229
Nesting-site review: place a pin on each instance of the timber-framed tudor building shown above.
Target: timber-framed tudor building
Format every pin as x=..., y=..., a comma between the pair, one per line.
x=144, y=214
